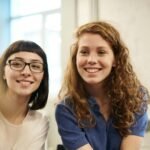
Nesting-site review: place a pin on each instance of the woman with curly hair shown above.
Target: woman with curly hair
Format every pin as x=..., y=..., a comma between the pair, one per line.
x=104, y=105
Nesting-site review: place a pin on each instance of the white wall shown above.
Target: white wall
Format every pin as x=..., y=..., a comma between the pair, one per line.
x=68, y=11
x=132, y=18
x=68, y=26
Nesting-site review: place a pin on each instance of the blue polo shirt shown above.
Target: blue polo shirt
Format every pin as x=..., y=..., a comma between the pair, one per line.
x=102, y=137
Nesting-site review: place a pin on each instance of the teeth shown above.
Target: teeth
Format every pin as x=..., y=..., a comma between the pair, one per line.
x=92, y=70
x=25, y=83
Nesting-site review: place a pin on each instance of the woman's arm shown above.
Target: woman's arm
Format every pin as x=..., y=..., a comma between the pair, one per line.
x=131, y=142
x=73, y=137
x=85, y=147
x=134, y=141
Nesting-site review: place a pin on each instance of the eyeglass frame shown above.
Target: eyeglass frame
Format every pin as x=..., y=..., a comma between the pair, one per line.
x=25, y=64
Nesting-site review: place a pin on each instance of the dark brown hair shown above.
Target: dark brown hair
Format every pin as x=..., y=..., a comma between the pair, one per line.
x=39, y=98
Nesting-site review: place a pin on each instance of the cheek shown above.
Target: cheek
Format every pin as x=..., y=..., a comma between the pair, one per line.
x=9, y=80
x=8, y=75
x=40, y=78
x=109, y=62
x=80, y=62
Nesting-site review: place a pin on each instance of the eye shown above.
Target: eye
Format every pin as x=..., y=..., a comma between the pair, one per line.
x=83, y=51
x=36, y=66
x=101, y=52
x=16, y=63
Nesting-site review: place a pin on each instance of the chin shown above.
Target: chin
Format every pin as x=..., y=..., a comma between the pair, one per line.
x=92, y=82
x=24, y=94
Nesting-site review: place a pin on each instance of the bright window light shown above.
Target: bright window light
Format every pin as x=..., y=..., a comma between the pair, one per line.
x=26, y=7
x=40, y=21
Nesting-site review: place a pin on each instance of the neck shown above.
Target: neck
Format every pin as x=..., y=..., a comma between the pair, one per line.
x=14, y=108
x=98, y=92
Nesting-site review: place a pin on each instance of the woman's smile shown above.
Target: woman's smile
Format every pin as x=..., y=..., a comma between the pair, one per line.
x=25, y=83
x=92, y=70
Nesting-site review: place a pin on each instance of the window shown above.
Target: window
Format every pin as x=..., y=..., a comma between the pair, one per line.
x=40, y=21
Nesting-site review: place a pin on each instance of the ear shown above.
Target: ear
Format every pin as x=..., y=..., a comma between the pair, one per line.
x=114, y=64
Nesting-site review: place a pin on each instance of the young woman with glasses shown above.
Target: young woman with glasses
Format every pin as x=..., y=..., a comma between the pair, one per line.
x=23, y=90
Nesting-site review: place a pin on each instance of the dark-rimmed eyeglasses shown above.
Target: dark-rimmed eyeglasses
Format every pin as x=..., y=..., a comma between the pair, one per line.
x=19, y=65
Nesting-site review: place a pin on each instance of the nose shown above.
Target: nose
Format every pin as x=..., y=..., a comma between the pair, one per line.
x=92, y=59
x=26, y=70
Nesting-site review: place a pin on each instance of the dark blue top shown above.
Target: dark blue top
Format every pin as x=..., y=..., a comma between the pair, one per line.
x=102, y=137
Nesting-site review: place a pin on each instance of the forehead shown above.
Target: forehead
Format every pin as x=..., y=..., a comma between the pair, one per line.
x=87, y=37
x=93, y=39
x=26, y=56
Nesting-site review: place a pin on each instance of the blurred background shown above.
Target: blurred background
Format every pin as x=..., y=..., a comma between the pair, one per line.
x=51, y=24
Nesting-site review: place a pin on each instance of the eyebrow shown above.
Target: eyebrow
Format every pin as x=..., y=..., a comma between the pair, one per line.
x=32, y=60
x=84, y=46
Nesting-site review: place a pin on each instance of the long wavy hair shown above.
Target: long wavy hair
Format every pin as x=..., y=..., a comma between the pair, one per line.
x=122, y=85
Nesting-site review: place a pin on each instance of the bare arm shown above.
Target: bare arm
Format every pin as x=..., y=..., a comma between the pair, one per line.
x=131, y=142
x=85, y=147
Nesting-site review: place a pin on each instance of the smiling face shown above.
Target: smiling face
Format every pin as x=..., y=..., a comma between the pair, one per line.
x=23, y=82
x=94, y=59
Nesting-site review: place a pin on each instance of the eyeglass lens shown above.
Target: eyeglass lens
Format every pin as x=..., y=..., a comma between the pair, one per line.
x=20, y=65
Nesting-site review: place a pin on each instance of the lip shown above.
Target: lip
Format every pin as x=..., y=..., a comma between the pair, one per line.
x=25, y=81
x=92, y=70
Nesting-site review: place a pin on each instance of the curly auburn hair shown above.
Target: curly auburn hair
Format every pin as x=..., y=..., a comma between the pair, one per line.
x=122, y=85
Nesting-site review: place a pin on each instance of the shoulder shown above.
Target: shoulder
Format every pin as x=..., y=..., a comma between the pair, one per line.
x=145, y=98
x=142, y=116
x=37, y=118
x=35, y=129
x=144, y=93
x=64, y=109
x=65, y=104
x=140, y=125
